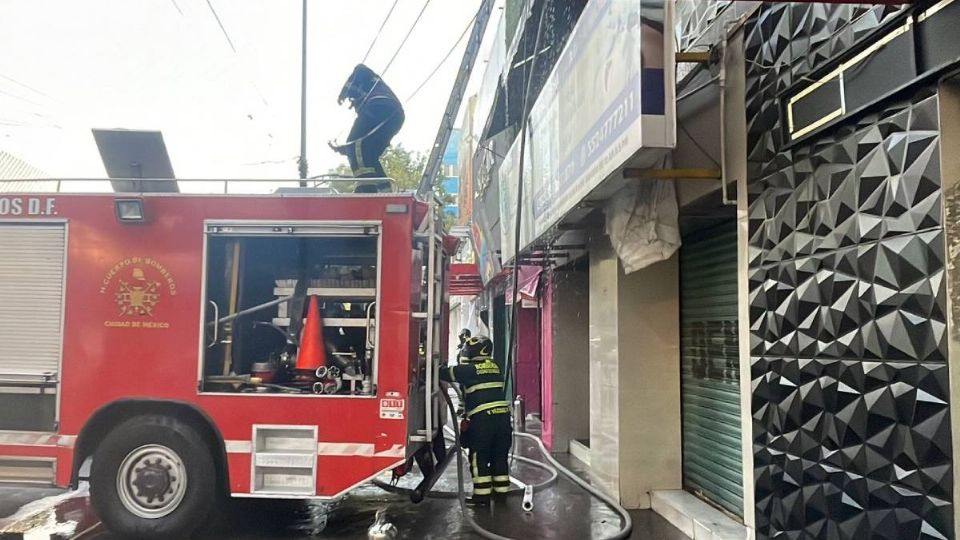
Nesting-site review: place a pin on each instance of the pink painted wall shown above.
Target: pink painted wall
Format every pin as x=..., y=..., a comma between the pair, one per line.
x=528, y=358
x=546, y=359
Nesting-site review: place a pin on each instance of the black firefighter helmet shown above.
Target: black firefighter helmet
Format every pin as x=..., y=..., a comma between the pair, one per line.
x=359, y=84
x=476, y=349
x=463, y=337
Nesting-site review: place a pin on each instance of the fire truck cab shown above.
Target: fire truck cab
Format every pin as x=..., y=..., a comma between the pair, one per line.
x=159, y=339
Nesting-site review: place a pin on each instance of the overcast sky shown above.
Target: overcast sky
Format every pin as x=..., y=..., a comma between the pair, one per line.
x=69, y=66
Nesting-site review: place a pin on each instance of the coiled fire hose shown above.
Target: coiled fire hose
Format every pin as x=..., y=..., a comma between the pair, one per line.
x=626, y=522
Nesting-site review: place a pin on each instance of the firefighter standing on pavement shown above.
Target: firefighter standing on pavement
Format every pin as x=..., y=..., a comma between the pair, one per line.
x=379, y=117
x=489, y=434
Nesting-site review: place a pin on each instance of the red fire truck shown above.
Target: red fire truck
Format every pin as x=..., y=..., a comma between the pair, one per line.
x=157, y=338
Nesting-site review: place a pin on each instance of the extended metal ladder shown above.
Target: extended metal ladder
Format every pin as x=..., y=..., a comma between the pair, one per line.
x=436, y=299
x=456, y=98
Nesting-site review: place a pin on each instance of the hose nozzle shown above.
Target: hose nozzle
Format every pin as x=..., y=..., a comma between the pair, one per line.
x=527, y=498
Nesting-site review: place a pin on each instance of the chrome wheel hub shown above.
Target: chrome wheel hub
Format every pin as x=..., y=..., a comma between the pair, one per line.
x=152, y=481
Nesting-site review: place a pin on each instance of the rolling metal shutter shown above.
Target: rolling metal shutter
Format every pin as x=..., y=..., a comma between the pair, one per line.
x=710, y=367
x=31, y=298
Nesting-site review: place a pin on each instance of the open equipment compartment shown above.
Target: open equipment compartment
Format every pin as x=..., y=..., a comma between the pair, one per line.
x=261, y=282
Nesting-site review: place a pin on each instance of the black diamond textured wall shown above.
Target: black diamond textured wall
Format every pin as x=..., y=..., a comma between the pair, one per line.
x=847, y=301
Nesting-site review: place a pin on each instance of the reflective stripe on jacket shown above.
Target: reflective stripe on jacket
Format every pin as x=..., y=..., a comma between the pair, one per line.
x=482, y=384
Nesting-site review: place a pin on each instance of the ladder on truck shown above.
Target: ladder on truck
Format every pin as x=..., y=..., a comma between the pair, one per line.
x=432, y=303
x=433, y=313
x=456, y=98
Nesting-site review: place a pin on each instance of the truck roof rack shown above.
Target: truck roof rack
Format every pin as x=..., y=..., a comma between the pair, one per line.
x=321, y=185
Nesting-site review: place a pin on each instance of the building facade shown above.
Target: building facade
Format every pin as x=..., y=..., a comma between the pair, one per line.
x=847, y=270
x=17, y=175
x=450, y=172
x=778, y=344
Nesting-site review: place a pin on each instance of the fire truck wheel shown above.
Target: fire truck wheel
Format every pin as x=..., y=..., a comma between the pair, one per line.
x=153, y=478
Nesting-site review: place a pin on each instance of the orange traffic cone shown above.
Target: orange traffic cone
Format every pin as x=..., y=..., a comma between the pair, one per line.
x=312, y=351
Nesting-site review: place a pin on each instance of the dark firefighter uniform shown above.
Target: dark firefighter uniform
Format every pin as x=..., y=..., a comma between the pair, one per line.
x=379, y=117
x=489, y=434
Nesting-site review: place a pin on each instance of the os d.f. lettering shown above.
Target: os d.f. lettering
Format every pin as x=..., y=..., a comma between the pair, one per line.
x=28, y=206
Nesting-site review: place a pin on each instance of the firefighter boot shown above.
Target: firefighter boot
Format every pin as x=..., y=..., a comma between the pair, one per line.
x=479, y=500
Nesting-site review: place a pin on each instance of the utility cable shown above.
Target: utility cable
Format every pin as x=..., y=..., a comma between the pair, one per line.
x=222, y=28
x=524, y=121
x=420, y=86
x=377, y=35
x=627, y=523
x=697, y=144
x=21, y=98
x=233, y=48
x=424, y=82
x=405, y=38
x=443, y=60
x=27, y=86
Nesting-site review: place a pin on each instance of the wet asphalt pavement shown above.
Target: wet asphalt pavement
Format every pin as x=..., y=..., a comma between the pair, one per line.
x=562, y=511
x=37, y=513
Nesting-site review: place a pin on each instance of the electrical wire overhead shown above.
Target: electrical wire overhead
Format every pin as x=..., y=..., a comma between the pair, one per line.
x=525, y=107
x=377, y=35
x=226, y=35
x=436, y=68
x=443, y=60
x=222, y=28
x=405, y=38
x=28, y=87
x=21, y=98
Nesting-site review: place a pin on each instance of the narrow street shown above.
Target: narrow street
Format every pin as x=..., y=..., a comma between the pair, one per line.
x=562, y=511
x=707, y=251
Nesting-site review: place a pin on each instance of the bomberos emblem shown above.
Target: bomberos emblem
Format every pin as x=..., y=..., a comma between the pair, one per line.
x=138, y=286
x=138, y=296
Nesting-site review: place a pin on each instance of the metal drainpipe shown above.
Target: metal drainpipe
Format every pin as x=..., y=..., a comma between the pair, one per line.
x=722, y=78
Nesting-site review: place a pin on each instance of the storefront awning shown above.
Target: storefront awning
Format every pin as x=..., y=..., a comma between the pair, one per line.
x=463, y=279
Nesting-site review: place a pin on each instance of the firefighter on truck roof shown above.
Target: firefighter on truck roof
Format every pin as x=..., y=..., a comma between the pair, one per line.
x=379, y=117
x=488, y=433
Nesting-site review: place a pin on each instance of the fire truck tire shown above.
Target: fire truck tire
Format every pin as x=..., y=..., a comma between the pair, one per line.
x=153, y=478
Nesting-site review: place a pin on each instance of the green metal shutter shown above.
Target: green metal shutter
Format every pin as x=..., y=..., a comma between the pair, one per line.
x=710, y=367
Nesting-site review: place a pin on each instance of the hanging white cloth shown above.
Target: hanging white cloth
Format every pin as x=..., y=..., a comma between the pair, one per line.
x=642, y=223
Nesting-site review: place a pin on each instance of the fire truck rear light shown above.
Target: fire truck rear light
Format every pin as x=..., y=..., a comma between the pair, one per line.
x=130, y=210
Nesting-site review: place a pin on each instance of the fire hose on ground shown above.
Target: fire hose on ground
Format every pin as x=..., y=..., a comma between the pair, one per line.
x=452, y=495
x=626, y=522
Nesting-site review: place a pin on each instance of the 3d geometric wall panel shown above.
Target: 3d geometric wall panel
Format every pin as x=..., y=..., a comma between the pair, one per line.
x=784, y=43
x=693, y=18
x=851, y=421
x=851, y=449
